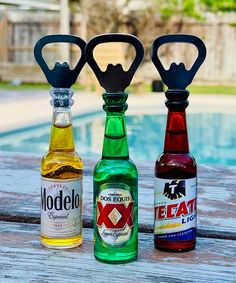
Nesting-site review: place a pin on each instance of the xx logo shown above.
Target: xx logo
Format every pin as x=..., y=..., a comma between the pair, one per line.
x=115, y=216
x=175, y=189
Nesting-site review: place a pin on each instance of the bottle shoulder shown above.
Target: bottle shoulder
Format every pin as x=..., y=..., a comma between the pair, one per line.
x=61, y=156
x=176, y=165
x=177, y=158
x=63, y=165
x=115, y=166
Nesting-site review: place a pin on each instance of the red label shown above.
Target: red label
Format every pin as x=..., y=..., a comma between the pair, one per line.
x=115, y=215
x=175, y=210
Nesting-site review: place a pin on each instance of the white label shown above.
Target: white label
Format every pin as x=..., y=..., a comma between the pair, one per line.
x=115, y=210
x=175, y=208
x=61, y=207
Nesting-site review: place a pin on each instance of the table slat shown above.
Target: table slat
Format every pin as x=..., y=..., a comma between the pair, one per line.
x=20, y=195
x=23, y=259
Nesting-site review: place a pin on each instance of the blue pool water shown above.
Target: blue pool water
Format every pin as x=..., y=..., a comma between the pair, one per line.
x=212, y=137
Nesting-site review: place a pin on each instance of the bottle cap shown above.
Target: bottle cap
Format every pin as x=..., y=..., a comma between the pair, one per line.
x=61, y=97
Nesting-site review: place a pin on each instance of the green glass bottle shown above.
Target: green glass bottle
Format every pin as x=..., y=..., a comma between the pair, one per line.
x=115, y=189
x=115, y=175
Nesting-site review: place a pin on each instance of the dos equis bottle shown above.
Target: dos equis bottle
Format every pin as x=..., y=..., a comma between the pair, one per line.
x=61, y=168
x=175, y=197
x=115, y=175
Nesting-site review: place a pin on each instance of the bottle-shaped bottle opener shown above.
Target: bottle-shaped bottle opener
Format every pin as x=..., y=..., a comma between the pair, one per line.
x=175, y=194
x=115, y=175
x=61, y=168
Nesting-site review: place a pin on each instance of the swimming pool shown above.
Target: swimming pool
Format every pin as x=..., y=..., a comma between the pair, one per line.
x=212, y=137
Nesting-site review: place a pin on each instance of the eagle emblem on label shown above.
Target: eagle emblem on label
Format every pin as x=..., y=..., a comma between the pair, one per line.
x=115, y=210
x=174, y=189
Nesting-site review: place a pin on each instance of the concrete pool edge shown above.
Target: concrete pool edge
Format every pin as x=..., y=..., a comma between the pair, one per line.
x=32, y=111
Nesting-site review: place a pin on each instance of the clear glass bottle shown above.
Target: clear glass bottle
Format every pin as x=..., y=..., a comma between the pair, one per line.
x=61, y=179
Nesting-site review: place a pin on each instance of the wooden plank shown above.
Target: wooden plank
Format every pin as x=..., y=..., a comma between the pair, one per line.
x=31, y=48
x=23, y=259
x=47, y=5
x=3, y=35
x=21, y=49
x=24, y=73
x=20, y=195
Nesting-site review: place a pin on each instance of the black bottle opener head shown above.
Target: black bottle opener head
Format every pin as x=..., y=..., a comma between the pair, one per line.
x=114, y=79
x=177, y=77
x=61, y=76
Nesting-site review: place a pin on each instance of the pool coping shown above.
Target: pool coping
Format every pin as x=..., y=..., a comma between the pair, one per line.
x=24, y=111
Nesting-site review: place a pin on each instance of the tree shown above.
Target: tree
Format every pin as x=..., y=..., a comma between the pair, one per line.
x=104, y=16
x=175, y=12
x=193, y=8
x=111, y=16
x=219, y=5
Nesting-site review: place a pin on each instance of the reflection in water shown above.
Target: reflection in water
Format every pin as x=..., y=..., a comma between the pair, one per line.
x=212, y=137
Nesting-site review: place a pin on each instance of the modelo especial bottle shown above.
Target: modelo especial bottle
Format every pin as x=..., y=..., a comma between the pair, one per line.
x=115, y=176
x=175, y=192
x=61, y=168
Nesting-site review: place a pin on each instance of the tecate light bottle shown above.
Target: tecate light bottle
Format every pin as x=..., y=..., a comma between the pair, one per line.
x=175, y=187
x=61, y=168
x=115, y=176
x=175, y=191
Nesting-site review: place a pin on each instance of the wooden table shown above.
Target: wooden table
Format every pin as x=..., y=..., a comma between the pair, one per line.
x=23, y=259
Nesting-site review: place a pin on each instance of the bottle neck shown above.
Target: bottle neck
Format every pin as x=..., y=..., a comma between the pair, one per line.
x=62, y=138
x=176, y=138
x=115, y=143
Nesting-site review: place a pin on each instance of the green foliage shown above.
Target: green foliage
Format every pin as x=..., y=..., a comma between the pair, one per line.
x=78, y=2
x=189, y=9
x=200, y=89
x=193, y=8
x=213, y=89
x=197, y=89
x=167, y=8
x=184, y=8
x=219, y=5
x=32, y=86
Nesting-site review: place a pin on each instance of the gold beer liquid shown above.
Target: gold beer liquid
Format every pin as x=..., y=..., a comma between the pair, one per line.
x=62, y=162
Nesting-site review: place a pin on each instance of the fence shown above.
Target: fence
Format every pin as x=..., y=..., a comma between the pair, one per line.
x=19, y=30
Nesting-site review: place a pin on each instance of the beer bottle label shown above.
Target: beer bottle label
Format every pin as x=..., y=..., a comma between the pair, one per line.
x=61, y=207
x=115, y=211
x=175, y=203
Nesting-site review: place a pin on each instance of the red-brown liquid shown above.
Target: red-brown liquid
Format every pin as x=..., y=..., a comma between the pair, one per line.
x=175, y=163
